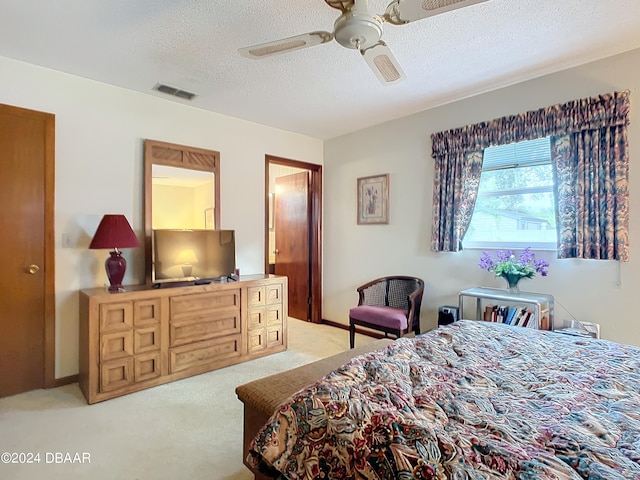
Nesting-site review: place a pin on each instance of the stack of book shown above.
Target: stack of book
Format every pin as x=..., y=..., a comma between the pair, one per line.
x=516, y=315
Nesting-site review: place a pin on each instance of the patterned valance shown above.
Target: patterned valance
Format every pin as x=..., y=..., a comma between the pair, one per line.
x=585, y=114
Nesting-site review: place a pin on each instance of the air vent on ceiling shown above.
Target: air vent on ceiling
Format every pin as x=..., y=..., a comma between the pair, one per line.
x=176, y=92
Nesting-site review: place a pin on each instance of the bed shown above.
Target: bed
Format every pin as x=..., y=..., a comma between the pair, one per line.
x=472, y=400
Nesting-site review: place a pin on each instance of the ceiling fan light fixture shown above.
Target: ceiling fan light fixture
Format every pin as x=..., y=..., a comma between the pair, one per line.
x=357, y=30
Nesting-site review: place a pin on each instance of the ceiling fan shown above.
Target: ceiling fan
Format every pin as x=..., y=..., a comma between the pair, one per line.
x=358, y=29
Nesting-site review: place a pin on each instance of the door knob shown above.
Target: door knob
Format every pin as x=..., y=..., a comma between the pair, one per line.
x=33, y=269
x=276, y=251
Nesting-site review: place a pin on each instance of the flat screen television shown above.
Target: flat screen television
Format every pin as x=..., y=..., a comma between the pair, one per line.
x=191, y=255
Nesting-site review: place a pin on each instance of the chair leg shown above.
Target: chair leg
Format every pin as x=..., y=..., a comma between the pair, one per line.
x=352, y=335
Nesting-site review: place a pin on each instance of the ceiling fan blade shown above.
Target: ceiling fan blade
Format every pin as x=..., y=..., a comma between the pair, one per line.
x=400, y=12
x=343, y=5
x=284, y=45
x=383, y=63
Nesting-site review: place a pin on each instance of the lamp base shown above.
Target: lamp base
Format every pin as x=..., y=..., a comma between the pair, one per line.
x=115, y=266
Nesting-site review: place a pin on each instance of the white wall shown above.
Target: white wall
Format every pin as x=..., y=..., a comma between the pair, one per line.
x=99, y=135
x=599, y=291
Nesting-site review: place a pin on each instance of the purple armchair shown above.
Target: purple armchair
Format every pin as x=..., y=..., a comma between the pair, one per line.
x=389, y=304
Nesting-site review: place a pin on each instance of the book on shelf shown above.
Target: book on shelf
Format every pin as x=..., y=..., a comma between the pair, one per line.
x=511, y=316
x=533, y=310
x=514, y=315
x=526, y=317
x=488, y=313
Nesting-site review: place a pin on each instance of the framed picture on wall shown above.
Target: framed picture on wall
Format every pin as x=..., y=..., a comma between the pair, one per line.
x=208, y=219
x=373, y=200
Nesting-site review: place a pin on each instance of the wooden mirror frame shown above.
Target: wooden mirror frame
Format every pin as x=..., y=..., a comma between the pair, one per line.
x=181, y=156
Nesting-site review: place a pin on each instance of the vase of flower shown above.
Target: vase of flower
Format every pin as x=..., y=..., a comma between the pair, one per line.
x=513, y=269
x=512, y=282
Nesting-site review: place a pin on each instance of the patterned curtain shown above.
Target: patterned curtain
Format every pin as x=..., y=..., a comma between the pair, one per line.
x=455, y=189
x=595, y=129
x=592, y=174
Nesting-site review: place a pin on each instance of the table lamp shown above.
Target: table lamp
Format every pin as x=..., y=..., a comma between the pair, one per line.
x=114, y=232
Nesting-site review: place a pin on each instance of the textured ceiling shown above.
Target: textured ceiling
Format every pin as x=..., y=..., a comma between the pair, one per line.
x=323, y=91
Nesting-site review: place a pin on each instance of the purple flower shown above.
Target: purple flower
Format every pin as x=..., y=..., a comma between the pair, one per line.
x=506, y=264
x=486, y=262
x=527, y=256
x=541, y=267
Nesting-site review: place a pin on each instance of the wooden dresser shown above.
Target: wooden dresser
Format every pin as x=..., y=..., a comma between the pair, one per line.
x=147, y=336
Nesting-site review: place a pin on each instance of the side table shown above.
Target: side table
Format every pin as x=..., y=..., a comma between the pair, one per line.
x=542, y=304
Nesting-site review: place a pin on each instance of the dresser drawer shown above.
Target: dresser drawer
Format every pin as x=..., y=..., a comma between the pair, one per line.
x=273, y=294
x=256, y=296
x=202, y=354
x=146, y=312
x=256, y=318
x=116, y=316
x=185, y=307
x=274, y=337
x=147, y=366
x=116, y=374
x=116, y=345
x=196, y=328
x=274, y=315
x=256, y=340
x=146, y=339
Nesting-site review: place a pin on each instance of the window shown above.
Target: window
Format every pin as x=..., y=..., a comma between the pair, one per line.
x=515, y=205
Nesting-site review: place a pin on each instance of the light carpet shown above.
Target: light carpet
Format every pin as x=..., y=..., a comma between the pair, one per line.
x=189, y=429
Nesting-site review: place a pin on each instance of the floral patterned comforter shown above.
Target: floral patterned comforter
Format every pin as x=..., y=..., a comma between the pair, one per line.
x=471, y=400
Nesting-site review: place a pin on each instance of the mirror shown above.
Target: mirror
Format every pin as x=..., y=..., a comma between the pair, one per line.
x=181, y=190
x=182, y=198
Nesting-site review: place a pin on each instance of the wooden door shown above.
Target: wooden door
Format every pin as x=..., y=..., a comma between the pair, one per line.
x=26, y=251
x=291, y=218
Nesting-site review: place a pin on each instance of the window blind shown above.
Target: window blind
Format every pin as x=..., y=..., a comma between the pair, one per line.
x=520, y=154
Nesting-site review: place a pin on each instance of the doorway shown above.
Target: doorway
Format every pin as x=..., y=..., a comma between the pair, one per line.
x=27, y=310
x=293, y=243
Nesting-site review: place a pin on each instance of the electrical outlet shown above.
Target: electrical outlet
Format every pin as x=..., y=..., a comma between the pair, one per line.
x=66, y=240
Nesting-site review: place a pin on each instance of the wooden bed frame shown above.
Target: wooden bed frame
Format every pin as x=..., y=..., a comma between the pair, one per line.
x=262, y=397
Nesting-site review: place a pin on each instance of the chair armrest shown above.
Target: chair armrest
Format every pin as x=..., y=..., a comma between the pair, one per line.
x=361, y=295
x=415, y=302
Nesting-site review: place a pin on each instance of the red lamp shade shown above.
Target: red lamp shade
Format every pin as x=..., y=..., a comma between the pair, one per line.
x=114, y=232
